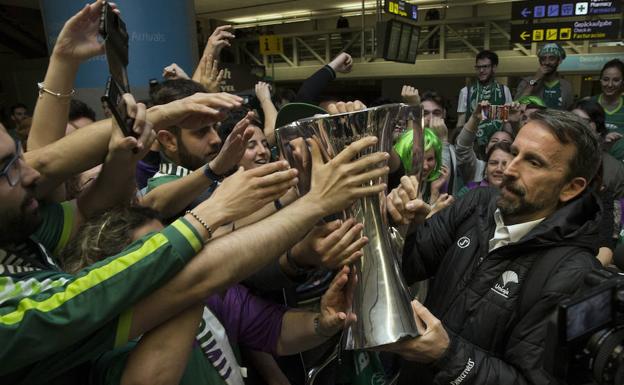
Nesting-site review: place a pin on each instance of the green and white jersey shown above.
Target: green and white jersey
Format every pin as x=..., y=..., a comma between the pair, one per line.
x=614, y=121
x=51, y=321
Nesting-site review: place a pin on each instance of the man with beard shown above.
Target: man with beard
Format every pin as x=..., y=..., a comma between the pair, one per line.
x=555, y=91
x=53, y=323
x=485, y=249
x=487, y=89
x=193, y=158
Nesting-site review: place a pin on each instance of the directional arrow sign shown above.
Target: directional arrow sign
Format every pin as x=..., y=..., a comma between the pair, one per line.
x=525, y=35
x=568, y=30
x=526, y=12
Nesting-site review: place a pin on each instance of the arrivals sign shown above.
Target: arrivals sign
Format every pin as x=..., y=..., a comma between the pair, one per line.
x=565, y=31
x=544, y=9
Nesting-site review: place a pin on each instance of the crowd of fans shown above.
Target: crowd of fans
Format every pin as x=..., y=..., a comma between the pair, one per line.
x=184, y=254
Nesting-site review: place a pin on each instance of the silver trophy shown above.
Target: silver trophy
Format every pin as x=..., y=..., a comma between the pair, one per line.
x=382, y=299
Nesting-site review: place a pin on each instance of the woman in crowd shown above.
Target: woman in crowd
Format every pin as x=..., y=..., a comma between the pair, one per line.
x=247, y=320
x=612, y=178
x=497, y=158
x=612, y=101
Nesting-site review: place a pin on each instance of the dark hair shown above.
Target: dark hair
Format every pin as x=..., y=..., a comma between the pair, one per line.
x=104, y=235
x=615, y=63
x=433, y=96
x=569, y=128
x=172, y=90
x=486, y=54
x=16, y=106
x=175, y=89
x=79, y=109
x=503, y=146
x=596, y=114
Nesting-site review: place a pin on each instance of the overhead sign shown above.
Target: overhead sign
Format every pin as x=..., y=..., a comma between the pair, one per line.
x=401, y=8
x=570, y=30
x=544, y=9
x=397, y=41
x=271, y=45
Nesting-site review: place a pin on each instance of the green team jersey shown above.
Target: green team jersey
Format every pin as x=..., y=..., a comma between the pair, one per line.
x=614, y=120
x=552, y=95
x=51, y=322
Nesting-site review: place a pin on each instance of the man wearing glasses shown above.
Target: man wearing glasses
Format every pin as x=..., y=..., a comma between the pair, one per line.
x=486, y=88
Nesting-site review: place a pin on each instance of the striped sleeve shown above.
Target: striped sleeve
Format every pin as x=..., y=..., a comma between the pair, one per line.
x=48, y=311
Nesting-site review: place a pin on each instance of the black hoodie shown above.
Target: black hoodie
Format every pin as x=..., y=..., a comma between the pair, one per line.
x=476, y=293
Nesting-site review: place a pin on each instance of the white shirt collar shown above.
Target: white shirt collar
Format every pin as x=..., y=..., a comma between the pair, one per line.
x=504, y=235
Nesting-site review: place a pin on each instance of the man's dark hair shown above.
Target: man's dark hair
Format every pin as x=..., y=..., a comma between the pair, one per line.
x=570, y=129
x=615, y=63
x=486, y=54
x=79, y=109
x=175, y=89
x=596, y=114
x=172, y=90
x=432, y=96
x=16, y=106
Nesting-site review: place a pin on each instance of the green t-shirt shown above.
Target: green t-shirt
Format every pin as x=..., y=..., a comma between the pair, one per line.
x=552, y=95
x=614, y=120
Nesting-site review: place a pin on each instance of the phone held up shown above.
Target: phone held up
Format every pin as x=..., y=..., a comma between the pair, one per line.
x=113, y=31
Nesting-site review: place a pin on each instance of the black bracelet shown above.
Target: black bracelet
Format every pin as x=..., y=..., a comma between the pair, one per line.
x=201, y=222
x=211, y=174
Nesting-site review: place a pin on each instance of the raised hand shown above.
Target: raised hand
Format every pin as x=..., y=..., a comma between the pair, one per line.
x=263, y=91
x=174, y=71
x=331, y=245
x=343, y=107
x=403, y=203
x=342, y=63
x=410, y=95
x=336, y=303
x=134, y=149
x=219, y=38
x=246, y=191
x=438, y=126
x=233, y=147
x=78, y=40
x=202, y=109
x=208, y=74
x=337, y=183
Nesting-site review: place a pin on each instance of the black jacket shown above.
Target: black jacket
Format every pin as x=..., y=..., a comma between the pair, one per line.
x=476, y=294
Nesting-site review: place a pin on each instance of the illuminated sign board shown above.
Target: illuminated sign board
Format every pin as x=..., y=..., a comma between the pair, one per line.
x=545, y=9
x=565, y=31
x=401, y=8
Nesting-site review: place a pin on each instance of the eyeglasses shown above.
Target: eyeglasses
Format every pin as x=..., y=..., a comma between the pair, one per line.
x=13, y=170
x=483, y=67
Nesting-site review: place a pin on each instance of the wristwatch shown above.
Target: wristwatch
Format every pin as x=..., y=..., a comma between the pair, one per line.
x=211, y=174
x=532, y=82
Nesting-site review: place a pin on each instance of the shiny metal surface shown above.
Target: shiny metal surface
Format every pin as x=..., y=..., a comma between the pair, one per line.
x=382, y=299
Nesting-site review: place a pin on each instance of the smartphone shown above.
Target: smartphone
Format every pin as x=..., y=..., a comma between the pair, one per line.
x=113, y=96
x=495, y=112
x=113, y=31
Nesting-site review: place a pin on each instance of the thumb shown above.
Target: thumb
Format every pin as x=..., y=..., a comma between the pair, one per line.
x=423, y=313
x=315, y=153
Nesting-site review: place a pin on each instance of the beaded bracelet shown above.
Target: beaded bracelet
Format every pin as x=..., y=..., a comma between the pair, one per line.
x=201, y=222
x=43, y=89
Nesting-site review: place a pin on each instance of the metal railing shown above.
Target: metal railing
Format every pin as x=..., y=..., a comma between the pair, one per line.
x=438, y=40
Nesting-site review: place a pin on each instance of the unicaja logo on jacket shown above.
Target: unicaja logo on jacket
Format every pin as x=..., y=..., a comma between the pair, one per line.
x=507, y=278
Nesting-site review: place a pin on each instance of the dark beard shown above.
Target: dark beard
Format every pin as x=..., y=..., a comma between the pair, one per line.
x=519, y=207
x=188, y=160
x=16, y=227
